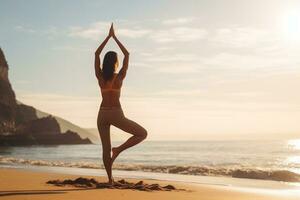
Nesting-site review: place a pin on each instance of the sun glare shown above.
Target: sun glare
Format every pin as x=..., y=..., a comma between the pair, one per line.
x=294, y=144
x=292, y=26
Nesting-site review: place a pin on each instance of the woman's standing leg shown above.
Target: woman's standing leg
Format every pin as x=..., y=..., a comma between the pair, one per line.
x=104, y=131
x=139, y=134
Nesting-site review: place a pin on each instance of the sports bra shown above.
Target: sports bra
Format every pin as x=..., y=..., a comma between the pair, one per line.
x=110, y=87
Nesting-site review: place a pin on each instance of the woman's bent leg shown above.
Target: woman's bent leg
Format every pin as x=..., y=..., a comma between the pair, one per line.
x=129, y=126
x=104, y=131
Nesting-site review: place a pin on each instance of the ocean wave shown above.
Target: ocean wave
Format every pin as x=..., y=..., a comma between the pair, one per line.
x=236, y=172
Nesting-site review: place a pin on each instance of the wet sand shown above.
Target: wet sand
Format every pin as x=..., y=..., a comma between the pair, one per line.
x=23, y=184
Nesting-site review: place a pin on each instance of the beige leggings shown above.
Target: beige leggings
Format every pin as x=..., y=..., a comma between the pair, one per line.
x=115, y=117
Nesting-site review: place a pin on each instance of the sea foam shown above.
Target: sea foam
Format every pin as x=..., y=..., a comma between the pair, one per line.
x=236, y=172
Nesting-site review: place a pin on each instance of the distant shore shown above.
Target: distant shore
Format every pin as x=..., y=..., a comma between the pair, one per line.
x=21, y=183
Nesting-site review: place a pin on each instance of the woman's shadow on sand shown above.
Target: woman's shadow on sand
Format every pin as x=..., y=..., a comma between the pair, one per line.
x=36, y=192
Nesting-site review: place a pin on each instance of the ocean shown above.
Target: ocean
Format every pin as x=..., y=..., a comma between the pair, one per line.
x=270, y=160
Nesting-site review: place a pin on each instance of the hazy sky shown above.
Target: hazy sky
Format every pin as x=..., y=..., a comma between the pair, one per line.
x=198, y=69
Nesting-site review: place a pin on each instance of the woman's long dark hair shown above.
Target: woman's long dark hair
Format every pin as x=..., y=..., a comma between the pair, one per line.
x=109, y=62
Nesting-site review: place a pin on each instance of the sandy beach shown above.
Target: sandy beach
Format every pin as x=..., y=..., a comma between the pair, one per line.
x=24, y=184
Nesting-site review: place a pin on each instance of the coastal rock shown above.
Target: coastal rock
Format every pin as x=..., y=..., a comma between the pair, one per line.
x=44, y=131
x=43, y=126
x=25, y=114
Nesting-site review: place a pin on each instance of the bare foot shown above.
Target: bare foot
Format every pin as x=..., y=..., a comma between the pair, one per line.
x=111, y=182
x=115, y=153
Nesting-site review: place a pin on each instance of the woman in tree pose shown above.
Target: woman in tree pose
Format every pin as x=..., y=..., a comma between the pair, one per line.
x=110, y=112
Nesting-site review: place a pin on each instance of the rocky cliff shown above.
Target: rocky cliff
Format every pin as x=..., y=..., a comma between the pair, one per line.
x=19, y=123
x=7, y=99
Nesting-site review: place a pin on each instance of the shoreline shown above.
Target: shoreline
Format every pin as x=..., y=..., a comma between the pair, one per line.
x=18, y=183
x=253, y=173
x=242, y=184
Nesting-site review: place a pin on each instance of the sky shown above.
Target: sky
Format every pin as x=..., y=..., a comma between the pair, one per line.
x=198, y=70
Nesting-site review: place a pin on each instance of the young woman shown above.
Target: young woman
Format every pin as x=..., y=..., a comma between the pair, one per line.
x=110, y=112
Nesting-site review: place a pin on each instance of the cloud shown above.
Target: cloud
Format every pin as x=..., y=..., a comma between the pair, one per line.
x=24, y=29
x=93, y=31
x=179, y=34
x=243, y=37
x=187, y=92
x=175, y=30
x=174, y=33
x=223, y=65
x=71, y=48
x=178, y=57
x=134, y=33
x=246, y=62
x=174, y=63
x=178, y=68
x=178, y=21
x=97, y=29
x=50, y=32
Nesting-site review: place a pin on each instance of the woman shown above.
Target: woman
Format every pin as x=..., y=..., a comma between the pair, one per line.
x=110, y=112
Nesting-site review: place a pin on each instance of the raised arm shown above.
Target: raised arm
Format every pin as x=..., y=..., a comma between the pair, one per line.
x=123, y=70
x=98, y=70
